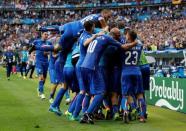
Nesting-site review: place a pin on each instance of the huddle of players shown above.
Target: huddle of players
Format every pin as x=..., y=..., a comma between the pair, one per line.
x=107, y=72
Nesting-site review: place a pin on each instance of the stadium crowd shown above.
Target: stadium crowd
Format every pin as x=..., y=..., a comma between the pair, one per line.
x=170, y=34
x=43, y=3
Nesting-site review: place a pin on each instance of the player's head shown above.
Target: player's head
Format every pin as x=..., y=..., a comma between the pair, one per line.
x=89, y=26
x=131, y=36
x=44, y=35
x=106, y=14
x=115, y=33
x=126, y=29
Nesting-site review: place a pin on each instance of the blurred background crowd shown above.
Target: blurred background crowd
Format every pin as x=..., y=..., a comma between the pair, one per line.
x=160, y=24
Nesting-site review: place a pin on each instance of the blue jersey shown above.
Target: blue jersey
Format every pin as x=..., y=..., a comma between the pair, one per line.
x=9, y=57
x=40, y=56
x=52, y=60
x=96, y=18
x=130, y=59
x=70, y=33
x=96, y=49
x=83, y=50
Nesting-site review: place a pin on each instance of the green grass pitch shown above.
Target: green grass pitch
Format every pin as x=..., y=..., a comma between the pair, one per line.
x=22, y=110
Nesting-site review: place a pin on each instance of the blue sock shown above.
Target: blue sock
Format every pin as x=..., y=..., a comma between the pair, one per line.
x=45, y=48
x=41, y=86
x=115, y=109
x=72, y=105
x=132, y=106
x=59, y=97
x=124, y=103
x=86, y=102
x=96, y=101
x=79, y=102
x=67, y=94
x=142, y=106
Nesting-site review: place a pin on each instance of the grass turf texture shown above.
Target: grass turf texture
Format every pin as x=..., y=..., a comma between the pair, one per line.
x=22, y=110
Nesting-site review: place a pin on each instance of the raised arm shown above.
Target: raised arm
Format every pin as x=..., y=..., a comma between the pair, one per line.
x=129, y=45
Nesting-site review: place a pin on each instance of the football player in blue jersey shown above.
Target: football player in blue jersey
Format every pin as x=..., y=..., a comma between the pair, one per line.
x=131, y=78
x=70, y=33
x=52, y=72
x=85, y=39
x=42, y=62
x=92, y=73
x=71, y=80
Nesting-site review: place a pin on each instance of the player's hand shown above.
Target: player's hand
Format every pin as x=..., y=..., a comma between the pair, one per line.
x=100, y=33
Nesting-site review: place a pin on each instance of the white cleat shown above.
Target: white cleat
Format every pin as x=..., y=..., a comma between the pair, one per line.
x=51, y=100
x=42, y=96
x=68, y=100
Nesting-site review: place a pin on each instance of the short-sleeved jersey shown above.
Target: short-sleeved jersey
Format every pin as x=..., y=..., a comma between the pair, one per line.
x=96, y=18
x=96, y=49
x=9, y=57
x=83, y=50
x=130, y=59
x=40, y=56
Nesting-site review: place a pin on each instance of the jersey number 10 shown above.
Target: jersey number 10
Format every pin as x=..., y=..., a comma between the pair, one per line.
x=92, y=46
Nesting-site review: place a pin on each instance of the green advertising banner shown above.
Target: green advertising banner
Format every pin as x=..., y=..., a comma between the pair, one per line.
x=167, y=92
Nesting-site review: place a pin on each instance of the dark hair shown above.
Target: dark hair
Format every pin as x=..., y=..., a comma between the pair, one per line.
x=88, y=25
x=132, y=34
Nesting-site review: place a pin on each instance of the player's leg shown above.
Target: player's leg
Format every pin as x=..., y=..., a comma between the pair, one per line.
x=67, y=97
x=97, y=88
x=140, y=98
x=59, y=65
x=116, y=88
x=24, y=68
x=145, y=70
x=32, y=71
x=53, y=80
x=81, y=94
x=125, y=87
x=40, y=71
x=8, y=70
x=21, y=69
x=27, y=69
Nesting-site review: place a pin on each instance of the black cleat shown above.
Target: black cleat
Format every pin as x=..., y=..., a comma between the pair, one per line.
x=125, y=117
x=84, y=119
x=146, y=115
x=99, y=116
x=87, y=118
